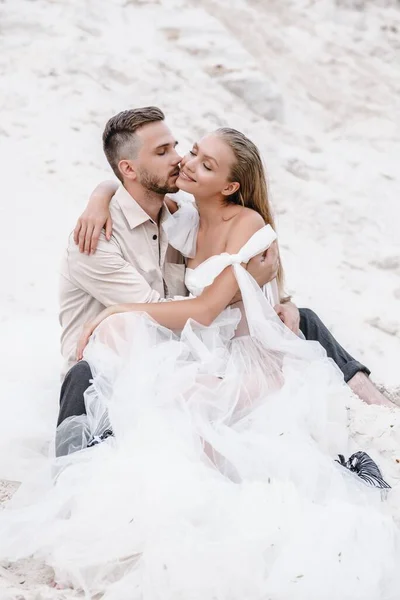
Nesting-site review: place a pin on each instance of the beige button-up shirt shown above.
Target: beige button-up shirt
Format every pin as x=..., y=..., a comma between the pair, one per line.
x=136, y=265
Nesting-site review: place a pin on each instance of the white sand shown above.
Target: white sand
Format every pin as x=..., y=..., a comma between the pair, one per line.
x=314, y=83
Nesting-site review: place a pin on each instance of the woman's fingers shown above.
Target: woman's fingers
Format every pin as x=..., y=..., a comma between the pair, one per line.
x=109, y=225
x=95, y=237
x=87, y=233
x=77, y=231
x=82, y=236
x=88, y=238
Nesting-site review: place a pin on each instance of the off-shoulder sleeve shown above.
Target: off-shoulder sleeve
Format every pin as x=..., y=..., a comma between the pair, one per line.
x=182, y=227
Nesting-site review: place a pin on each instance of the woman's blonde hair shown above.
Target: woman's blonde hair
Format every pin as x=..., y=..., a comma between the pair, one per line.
x=248, y=171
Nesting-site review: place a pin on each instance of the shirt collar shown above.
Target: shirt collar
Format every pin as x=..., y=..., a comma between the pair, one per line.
x=132, y=211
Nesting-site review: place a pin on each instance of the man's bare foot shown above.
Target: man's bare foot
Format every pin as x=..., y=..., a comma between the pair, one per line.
x=367, y=391
x=60, y=586
x=392, y=393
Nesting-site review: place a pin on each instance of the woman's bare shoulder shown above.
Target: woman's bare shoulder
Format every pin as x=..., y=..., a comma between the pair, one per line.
x=243, y=226
x=247, y=217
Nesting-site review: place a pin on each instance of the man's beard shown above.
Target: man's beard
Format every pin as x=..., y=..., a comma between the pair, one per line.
x=155, y=185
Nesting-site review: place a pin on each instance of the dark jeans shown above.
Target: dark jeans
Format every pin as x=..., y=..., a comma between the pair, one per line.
x=313, y=329
x=75, y=384
x=78, y=377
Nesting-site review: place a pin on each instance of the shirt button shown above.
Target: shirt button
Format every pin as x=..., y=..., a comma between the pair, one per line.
x=155, y=236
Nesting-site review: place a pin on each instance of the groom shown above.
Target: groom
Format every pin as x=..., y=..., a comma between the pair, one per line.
x=138, y=265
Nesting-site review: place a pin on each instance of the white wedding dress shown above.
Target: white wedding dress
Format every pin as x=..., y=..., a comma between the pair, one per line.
x=220, y=481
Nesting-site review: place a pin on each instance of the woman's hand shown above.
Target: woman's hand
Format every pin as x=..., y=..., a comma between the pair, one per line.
x=88, y=228
x=95, y=217
x=89, y=327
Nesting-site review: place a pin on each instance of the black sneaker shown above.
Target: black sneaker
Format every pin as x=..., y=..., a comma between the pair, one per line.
x=364, y=467
x=96, y=439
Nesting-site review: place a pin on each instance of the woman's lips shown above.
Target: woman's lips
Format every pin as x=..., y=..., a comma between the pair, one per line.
x=185, y=176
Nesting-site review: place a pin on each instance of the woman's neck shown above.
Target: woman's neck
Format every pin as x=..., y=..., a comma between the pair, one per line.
x=211, y=211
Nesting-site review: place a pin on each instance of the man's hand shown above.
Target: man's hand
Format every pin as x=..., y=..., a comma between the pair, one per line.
x=89, y=327
x=264, y=267
x=290, y=315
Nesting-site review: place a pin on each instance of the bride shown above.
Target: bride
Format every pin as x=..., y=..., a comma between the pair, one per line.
x=216, y=477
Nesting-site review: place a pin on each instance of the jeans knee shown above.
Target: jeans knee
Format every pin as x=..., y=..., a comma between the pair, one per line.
x=76, y=382
x=80, y=370
x=309, y=315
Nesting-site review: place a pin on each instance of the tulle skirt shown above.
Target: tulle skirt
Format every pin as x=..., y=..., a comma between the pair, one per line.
x=219, y=481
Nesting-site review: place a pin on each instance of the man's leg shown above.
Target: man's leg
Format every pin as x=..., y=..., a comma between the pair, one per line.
x=75, y=384
x=356, y=375
x=72, y=403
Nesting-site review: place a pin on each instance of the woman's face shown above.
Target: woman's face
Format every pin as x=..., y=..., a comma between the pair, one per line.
x=205, y=170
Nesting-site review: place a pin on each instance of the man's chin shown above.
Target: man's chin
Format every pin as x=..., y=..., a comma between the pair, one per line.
x=173, y=189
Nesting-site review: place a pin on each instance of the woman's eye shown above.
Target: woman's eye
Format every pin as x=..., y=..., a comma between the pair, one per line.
x=205, y=166
x=192, y=153
x=161, y=153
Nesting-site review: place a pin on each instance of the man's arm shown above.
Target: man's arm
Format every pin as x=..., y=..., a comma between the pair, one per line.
x=107, y=276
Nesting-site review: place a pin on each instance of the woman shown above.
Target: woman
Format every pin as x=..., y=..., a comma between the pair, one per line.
x=218, y=478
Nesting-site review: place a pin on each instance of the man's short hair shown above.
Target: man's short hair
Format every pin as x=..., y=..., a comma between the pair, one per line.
x=119, y=139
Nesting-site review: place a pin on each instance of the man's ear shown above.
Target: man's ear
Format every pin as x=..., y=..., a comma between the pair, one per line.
x=230, y=188
x=127, y=169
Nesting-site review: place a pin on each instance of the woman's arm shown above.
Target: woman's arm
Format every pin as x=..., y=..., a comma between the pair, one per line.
x=174, y=315
x=95, y=216
x=204, y=309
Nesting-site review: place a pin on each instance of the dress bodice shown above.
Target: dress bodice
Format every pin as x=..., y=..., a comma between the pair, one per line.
x=205, y=273
x=182, y=228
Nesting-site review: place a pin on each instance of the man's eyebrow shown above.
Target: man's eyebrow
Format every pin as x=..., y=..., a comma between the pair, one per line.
x=167, y=144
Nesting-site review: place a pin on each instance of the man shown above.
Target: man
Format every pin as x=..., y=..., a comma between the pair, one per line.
x=136, y=264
